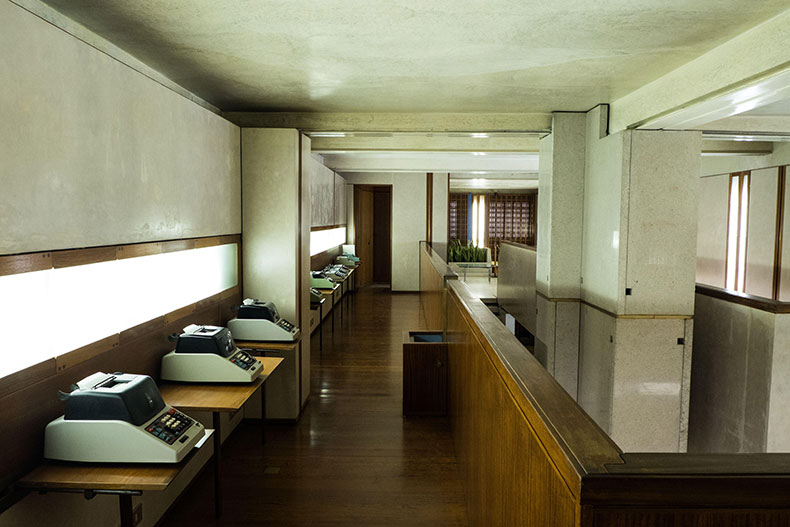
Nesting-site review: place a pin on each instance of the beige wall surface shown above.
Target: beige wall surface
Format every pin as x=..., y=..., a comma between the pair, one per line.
x=441, y=188
x=662, y=222
x=94, y=153
x=605, y=216
x=712, y=230
x=516, y=284
x=731, y=377
x=761, y=232
x=408, y=222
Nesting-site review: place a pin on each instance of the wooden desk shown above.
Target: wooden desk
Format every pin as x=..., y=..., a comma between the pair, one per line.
x=331, y=294
x=319, y=306
x=124, y=480
x=219, y=398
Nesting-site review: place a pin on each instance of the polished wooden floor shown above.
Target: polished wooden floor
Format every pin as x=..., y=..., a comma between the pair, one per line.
x=352, y=459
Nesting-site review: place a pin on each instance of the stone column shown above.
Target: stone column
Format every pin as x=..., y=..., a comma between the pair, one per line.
x=560, y=214
x=637, y=283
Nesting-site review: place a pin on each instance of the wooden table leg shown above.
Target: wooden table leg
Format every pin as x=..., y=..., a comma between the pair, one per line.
x=127, y=515
x=217, y=464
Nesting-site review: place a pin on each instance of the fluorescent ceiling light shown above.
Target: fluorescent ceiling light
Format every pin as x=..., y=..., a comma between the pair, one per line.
x=327, y=134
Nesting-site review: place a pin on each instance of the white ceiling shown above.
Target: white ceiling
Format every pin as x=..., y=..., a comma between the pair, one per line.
x=397, y=56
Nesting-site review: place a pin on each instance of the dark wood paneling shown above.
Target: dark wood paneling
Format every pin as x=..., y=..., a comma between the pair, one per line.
x=25, y=263
x=382, y=236
x=424, y=376
x=510, y=479
x=363, y=233
x=74, y=257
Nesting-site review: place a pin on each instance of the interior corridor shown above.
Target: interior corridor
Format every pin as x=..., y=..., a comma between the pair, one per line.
x=352, y=459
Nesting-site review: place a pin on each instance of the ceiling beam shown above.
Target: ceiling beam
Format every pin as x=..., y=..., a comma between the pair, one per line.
x=430, y=142
x=727, y=71
x=395, y=122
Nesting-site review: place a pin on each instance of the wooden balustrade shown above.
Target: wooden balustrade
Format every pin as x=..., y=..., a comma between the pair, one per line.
x=530, y=455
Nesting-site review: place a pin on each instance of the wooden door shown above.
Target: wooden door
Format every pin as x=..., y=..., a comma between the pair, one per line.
x=382, y=235
x=363, y=234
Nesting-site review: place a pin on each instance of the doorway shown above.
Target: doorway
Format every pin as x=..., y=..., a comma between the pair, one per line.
x=373, y=233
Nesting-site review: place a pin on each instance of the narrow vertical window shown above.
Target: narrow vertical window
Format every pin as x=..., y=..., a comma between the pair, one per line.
x=737, y=227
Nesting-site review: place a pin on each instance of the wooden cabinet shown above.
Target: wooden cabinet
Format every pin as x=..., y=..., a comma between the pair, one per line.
x=424, y=373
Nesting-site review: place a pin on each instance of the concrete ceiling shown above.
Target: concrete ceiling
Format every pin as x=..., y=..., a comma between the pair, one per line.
x=437, y=56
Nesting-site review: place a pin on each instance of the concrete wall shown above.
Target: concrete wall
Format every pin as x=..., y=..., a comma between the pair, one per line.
x=328, y=194
x=761, y=232
x=732, y=378
x=516, y=284
x=271, y=240
x=712, y=230
x=93, y=152
x=408, y=222
x=441, y=189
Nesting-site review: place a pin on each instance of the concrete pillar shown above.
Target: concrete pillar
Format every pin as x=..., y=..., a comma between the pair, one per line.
x=637, y=283
x=441, y=189
x=276, y=248
x=560, y=214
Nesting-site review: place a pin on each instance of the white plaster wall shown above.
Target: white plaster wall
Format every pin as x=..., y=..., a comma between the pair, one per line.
x=408, y=222
x=662, y=222
x=605, y=215
x=647, y=385
x=731, y=379
x=94, y=153
x=761, y=232
x=712, y=229
x=441, y=189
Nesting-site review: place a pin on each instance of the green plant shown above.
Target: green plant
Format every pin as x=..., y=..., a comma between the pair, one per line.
x=458, y=252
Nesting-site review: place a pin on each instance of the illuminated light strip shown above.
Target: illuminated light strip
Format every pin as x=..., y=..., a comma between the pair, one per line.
x=56, y=311
x=324, y=240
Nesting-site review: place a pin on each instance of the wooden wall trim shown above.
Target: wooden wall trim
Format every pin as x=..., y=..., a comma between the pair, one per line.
x=756, y=302
x=327, y=227
x=39, y=261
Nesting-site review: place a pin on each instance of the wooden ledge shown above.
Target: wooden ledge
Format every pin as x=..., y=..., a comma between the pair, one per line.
x=756, y=302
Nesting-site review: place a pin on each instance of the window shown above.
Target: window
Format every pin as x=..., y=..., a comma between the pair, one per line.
x=511, y=217
x=459, y=217
x=737, y=226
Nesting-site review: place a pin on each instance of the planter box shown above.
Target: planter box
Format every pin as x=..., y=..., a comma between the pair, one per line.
x=424, y=373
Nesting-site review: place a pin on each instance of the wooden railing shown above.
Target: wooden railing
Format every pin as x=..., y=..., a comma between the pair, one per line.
x=530, y=455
